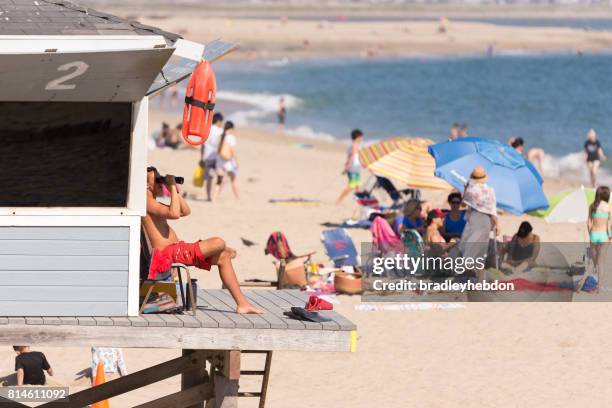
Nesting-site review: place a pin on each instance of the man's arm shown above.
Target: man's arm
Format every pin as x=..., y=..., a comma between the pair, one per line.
x=20, y=377
x=185, y=209
x=50, y=371
x=172, y=211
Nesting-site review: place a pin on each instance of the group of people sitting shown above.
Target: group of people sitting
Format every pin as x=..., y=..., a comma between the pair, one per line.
x=461, y=229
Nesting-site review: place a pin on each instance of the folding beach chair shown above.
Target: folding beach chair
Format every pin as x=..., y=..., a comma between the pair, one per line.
x=146, y=252
x=290, y=268
x=340, y=247
x=398, y=196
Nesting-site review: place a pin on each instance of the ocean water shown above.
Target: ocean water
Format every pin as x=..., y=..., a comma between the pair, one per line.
x=549, y=100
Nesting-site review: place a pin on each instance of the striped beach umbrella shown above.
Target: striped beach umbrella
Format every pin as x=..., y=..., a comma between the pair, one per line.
x=405, y=159
x=568, y=206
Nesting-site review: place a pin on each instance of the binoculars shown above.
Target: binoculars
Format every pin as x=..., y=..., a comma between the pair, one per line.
x=162, y=179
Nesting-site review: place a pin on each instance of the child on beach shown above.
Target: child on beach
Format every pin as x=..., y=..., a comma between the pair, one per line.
x=227, y=162
x=30, y=366
x=352, y=166
x=594, y=155
x=598, y=225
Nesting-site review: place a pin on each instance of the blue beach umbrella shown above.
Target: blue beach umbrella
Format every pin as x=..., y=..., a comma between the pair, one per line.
x=517, y=183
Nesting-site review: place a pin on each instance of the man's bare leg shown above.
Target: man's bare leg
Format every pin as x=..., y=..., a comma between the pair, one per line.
x=228, y=277
x=221, y=256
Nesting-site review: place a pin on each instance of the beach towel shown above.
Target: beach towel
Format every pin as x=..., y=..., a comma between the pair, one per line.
x=383, y=236
x=521, y=284
x=293, y=201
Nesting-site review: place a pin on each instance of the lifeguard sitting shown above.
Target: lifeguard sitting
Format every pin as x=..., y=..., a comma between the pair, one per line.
x=168, y=249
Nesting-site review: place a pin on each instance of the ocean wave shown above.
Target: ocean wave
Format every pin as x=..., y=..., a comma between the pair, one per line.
x=572, y=166
x=265, y=102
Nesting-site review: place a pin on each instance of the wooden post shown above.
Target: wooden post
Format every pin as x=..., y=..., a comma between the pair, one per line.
x=226, y=380
x=195, y=377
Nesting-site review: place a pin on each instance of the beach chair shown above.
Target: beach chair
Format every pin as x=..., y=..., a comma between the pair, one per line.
x=290, y=268
x=340, y=248
x=146, y=251
x=398, y=196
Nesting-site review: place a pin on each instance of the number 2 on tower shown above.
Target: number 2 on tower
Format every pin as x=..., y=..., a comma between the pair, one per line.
x=59, y=84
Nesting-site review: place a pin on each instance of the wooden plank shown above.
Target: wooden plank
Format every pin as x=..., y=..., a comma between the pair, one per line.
x=129, y=382
x=175, y=338
x=206, y=308
x=63, y=293
x=287, y=304
x=86, y=321
x=16, y=320
x=63, y=247
x=65, y=278
x=139, y=321
x=257, y=321
x=32, y=308
x=103, y=321
x=239, y=321
x=51, y=320
x=69, y=320
x=63, y=263
x=171, y=320
x=189, y=320
x=343, y=322
x=271, y=314
x=186, y=398
x=205, y=318
x=300, y=301
x=273, y=303
x=34, y=320
x=3, y=320
x=154, y=320
x=121, y=321
x=66, y=233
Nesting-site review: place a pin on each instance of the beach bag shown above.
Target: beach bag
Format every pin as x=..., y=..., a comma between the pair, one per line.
x=198, y=176
x=225, y=151
x=278, y=247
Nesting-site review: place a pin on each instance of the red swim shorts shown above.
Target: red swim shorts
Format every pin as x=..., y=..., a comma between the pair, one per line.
x=181, y=252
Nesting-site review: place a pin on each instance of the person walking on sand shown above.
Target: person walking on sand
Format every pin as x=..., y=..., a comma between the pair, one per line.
x=481, y=217
x=281, y=114
x=352, y=166
x=167, y=249
x=31, y=366
x=208, y=153
x=598, y=225
x=227, y=161
x=594, y=155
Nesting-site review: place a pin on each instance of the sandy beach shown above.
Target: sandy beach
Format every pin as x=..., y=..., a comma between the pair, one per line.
x=478, y=355
x=274, y=38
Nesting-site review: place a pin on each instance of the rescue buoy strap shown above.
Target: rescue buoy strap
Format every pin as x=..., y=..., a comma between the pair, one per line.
x=200, y=104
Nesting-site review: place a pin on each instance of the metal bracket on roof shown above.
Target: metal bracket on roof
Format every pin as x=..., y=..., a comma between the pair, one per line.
x=185, y=59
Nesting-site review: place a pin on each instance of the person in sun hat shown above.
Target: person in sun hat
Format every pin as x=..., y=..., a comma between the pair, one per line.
x=481, y=216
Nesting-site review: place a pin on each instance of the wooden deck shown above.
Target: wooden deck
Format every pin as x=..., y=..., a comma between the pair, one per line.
x=214, y=327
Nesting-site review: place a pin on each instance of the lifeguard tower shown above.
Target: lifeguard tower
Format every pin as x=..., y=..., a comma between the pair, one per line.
x=73, y=127
x=74, y=89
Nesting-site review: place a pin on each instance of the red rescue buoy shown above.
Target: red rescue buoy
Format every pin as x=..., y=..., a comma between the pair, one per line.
x=199, y=104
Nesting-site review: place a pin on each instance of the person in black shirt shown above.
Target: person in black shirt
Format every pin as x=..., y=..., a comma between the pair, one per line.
x=30, y=365
x=594, y=154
